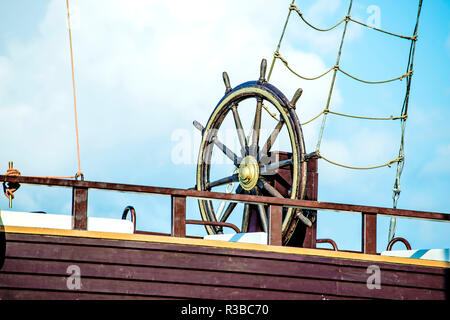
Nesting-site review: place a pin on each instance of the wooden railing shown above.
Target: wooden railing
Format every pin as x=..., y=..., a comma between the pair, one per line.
x=178, y=208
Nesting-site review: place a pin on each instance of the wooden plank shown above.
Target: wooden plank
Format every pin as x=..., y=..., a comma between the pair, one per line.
x=185, y=244
x=369, y=233
x=264, y=287
x=316, y=283
x=178, y=216
x=79, y=208
x=39, y=294
x=312, y=178
x=389, y=292
x=214, y=262
x=306, y=204
x=170, y=247
x=152, y=288
x=275, y=223
x=222, y=252
x=198, y=277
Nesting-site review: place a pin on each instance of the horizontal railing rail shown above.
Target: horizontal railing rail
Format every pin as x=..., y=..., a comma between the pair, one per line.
x=80, y=192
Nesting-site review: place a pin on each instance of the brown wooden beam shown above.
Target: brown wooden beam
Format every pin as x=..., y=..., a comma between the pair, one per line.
x=304, y=204
x=79, y=208
x=312, y=178
x=275, y=223
x=178, y=216
x=369, y=233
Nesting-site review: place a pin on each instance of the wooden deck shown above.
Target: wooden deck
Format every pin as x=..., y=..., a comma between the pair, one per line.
x=34, y=265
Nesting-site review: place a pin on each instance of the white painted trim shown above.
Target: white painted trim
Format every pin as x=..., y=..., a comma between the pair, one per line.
x=58, y=221
x=427, y=254
x=250, y=237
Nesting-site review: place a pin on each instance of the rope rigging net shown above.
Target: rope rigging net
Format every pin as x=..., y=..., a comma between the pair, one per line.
x=335, y=69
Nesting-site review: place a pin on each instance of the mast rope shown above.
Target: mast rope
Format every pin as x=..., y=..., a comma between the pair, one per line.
x=79, y=173
x=404, y=111
x=9, y=191
x=336, y=68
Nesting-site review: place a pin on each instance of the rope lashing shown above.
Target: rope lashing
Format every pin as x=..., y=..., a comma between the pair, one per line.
x=387, y=164
x=404, y=112
x=10, y=187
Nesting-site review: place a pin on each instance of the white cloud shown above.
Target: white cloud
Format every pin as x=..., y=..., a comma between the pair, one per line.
x=149, y=65
x=142, y=71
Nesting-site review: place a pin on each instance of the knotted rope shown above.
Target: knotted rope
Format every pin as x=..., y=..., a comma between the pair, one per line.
x=10, y=187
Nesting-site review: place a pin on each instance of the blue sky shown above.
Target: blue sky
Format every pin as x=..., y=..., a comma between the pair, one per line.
x=146, y=69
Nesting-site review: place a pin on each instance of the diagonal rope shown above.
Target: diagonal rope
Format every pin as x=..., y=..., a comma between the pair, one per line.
x=279, y=42
x=396, y=189
x=333, y=79
x=79, y=173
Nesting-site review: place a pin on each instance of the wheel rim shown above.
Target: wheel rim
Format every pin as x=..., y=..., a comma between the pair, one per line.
x=249, y=160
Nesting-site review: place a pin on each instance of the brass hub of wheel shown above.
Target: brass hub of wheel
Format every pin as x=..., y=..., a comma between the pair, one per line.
x=248, y=173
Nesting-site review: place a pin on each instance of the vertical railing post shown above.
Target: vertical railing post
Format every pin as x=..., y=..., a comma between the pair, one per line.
x=369, y=233
x=312, y=178
x=79, y=208
x=275, y=224
x=178, y=216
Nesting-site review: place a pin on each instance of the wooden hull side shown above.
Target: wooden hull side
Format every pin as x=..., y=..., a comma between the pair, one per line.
x=35, y=266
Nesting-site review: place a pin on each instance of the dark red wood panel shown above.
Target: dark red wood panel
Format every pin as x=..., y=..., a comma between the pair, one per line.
x=79, y=208
x=169, y=247
x=217, y=278
x=369, y=233
x=275, y=219
x=312, y=178
x=178, y=216
x=39, y=294
x=152, y=288
x=163, y=270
